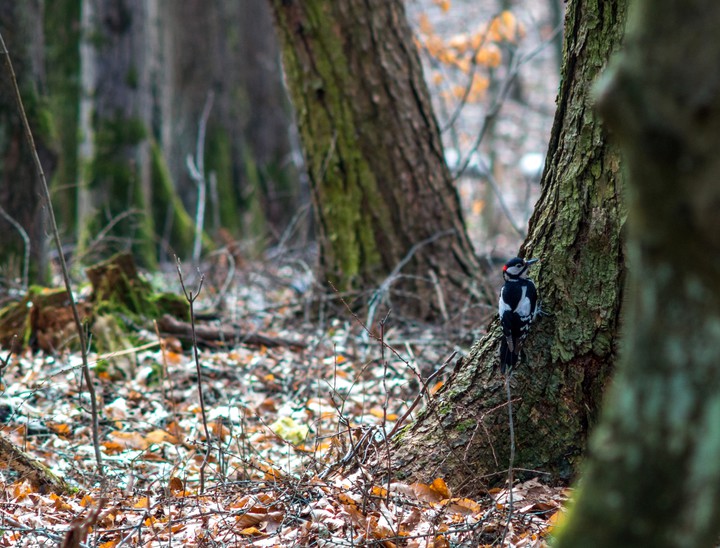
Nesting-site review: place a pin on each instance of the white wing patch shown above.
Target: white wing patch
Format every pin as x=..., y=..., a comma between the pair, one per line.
x=524, y=306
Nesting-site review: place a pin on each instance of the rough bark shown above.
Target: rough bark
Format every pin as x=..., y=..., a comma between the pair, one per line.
x=373, y=152
x=654, y=475
x=463, y=434
x=20, y=202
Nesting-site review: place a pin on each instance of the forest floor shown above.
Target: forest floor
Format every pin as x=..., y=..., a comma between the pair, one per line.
x=291, y=425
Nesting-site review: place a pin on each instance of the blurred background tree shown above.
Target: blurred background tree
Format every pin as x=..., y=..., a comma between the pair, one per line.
x=23, y=253
x=130, y=88
x=121, y=108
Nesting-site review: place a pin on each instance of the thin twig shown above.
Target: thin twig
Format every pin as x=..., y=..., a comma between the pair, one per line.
x=511, y=464
x=190, y=297
x=466, y=93
x=26, y=242
x=381, y=291
x=196, y=167
x=424, y=390
x=488, y=176
x=63, y=264
x=491, y=114
x=385, y=404
x=90, y=248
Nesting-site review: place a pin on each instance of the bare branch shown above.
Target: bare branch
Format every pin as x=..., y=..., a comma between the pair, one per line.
x=63, y=264
x=196, y=168
x=26, y=241
x=191, y=297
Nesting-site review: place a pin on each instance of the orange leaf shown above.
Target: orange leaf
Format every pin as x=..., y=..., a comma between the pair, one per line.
x=459, y=42
x=434, y=45
x=377, y=412
x=458, y=91
x=130, y=440
x=463, y=64
x=271, y=473
x=477, y=88
x=59, y=503
x=174, y=429
x=463, y=506
x=555, y=520
x=112, y=447
x=159, y=436
x=477, y=40
x=22, y=490
x=477, y=207
x=489, y=56
x=173, y=357
x=86, y=501
x=219, y=429
x=249, y=531
x=143, y=502
x=440, y=487
x=425, y=24
x=425, y=493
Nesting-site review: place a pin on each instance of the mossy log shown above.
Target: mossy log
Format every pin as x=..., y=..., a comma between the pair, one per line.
x=43, y=320
x=31, y=469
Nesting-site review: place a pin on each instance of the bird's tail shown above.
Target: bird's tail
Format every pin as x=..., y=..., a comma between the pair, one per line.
x=508, y=358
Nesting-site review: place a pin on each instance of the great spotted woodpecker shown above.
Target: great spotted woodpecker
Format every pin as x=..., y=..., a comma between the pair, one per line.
x=518, y=308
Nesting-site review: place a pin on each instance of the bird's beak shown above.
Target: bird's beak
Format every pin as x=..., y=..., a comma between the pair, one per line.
x=531, y=261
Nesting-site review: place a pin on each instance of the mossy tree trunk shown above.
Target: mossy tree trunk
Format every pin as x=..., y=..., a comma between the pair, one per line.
x=119, y=43
x=22, y=207
x=463, y=434
x=228, y=48
x=373, y=153
x=653, y=477
x=61, y=24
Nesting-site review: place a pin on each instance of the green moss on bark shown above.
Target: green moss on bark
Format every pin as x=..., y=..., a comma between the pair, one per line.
x=115, y=180
x=218, y=160
x=62, y=36
x=342, y=178
x=168, y=210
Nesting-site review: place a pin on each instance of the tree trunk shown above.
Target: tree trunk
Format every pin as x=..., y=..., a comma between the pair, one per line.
x=653, y=477
x=463, y=434
x=23, y=213
x=62, y=45
x=118, y=48
x=382, y=193
x=227, y=48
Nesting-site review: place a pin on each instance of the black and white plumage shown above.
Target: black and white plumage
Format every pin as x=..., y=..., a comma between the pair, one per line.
x=518, y=308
